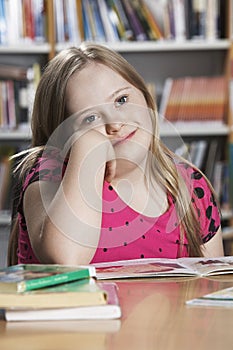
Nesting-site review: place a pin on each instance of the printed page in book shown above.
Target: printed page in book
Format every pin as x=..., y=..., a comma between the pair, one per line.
x=142, y=268
x=183, y=267
x=210, y=266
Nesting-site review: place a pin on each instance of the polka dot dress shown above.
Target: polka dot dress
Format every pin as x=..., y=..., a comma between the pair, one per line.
x=125, y=233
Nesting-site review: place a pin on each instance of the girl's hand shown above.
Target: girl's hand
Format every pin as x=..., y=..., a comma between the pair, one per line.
x=93, y=145
x=110, y=170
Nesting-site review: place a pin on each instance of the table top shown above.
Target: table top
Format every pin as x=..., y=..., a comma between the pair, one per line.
x=154, y=317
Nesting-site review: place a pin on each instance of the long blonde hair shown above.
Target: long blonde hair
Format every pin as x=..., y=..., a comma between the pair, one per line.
x=49, y=112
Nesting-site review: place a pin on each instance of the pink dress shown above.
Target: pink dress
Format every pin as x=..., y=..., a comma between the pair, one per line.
x=125, y=233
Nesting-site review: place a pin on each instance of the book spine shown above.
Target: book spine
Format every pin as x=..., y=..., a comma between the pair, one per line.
x=129, y=35
x=79, y=15
x=29, y=33
x=59, y=21
x=3, y=24
x=110, y=30
x=87, y=24
x=198, y=19
x=98, y=24
x=39, y=20
x=56, y=279
x=74, y=35
x=139, y=32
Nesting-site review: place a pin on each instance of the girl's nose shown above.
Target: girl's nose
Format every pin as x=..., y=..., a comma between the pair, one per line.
x=113, y=128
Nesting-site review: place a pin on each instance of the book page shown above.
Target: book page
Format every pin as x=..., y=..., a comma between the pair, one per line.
x=210, y=266
x=142, y=268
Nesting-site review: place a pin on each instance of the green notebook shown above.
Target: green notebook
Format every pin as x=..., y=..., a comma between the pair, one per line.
x=24, y=277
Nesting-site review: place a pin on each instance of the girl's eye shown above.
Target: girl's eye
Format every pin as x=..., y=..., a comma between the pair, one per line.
x=90, y=119
x=120, y=101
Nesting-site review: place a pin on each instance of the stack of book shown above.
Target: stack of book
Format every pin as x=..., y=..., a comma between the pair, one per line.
x=54, y=292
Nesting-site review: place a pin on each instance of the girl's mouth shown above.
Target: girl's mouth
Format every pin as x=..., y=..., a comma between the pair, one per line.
x=123, y=139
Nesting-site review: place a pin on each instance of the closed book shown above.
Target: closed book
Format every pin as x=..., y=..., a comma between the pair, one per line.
x=110, y=310
x=219, y=298
x=25, y=277
x=110, y=30
x=72, y=294
x=134, y=21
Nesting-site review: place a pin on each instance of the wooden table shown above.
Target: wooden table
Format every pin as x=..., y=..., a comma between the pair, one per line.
x=154, y=317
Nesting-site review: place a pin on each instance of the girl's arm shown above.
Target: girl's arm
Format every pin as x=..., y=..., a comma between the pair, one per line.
x=64, y=222
x=214, y=247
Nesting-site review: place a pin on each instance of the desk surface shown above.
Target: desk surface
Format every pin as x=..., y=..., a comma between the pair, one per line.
x=154, y=317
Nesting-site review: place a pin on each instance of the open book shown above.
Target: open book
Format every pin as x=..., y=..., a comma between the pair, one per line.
x=222, y=298
x=154, y=267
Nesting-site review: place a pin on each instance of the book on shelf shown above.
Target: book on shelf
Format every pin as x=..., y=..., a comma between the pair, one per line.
x=24, y=277
x=110, y=30
x=194, y=151
x=84, y=292
x=98, y=28
x=72, y=25
x=115, y=19
x=213, y=156
x=23, y=22
x=156, y=12
x=140, y=20
x=110, y=310
x=141, y=11
x=155, y=267
x=134, y=20
x=179, y=20
x=128, y=31
x=17, y=90
x=192, y=99
x=219, y=298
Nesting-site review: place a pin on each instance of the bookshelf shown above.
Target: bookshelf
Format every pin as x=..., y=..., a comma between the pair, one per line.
x=155, y=60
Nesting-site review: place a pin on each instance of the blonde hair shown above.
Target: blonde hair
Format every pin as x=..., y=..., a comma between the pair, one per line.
x=49, y=112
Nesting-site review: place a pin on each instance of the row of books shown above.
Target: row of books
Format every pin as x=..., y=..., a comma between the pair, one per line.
x=191, y=19
x=23, y=21
x=104, y=20
x=112, y=20
x=17, y=90
x=139, y=20
x=194, y=99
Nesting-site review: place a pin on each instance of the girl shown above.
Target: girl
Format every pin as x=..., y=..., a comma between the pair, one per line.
x=98, y=184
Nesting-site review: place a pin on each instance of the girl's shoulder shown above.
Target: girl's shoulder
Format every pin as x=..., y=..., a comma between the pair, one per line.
x=49, y=166
x=203, y=199
x=192, y=175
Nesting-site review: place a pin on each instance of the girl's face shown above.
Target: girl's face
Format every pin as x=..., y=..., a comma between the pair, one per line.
x=100, y=98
